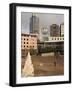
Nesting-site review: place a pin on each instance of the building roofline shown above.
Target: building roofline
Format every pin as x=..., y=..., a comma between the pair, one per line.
x=29, y=34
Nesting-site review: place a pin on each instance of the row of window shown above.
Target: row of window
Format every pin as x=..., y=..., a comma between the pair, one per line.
x=57, y=38
x=28, y=43
x=25, y=35
x=26, y=39
x=28, y=46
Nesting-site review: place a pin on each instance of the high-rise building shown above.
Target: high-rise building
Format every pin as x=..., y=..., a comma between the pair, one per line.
x=62, y=29
x=44, y=33
x=34, y=24
x=54, y=30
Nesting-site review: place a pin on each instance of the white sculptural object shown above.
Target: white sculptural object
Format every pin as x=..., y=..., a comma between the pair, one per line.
x=28, y=69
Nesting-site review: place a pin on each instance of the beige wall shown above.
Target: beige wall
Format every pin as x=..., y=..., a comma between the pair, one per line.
x=28, y=42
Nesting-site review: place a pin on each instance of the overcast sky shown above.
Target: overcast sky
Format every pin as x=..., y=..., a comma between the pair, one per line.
x=45, y=20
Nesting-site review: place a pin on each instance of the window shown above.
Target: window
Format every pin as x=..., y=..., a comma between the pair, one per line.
x=24, y=42
x=27, y=39
x=57, y=38
x=27, y=42
x=24, y=46
x=27, y=46
x=24, y=38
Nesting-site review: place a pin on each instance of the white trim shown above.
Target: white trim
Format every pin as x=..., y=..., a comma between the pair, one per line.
x=20, y=80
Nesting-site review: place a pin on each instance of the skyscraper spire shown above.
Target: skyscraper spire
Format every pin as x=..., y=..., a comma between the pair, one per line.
x=34, y=24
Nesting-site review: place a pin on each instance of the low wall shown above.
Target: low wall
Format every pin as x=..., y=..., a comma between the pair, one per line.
x=48, y=54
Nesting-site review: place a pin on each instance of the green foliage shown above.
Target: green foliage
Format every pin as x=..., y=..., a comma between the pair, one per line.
x=33, y=51
x=46, y=50
x=50, y=49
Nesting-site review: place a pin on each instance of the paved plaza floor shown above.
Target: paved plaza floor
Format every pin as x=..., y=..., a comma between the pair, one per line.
x=47, y=65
